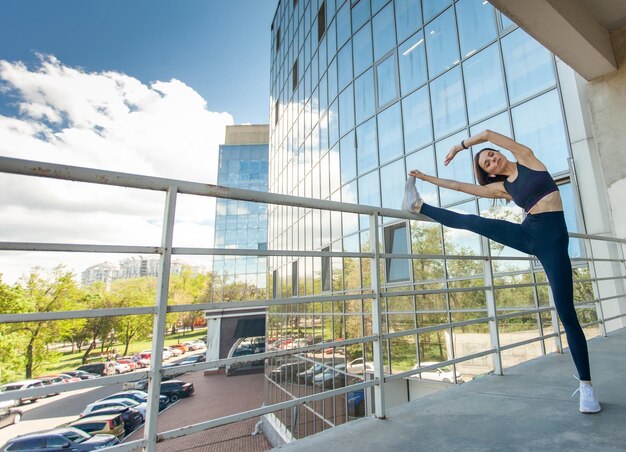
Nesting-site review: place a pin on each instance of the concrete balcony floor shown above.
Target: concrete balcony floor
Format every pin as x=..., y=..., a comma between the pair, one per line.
x=527, y=409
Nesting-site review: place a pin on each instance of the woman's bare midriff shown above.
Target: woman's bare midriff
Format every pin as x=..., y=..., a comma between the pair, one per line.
x=550, y=203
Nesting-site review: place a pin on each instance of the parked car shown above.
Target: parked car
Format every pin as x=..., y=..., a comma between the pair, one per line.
x=110, y=424
x=331, y=377
x=167, y=353
x=121, y=368
x=102, y=368
x=141, y=385
x=140, y=360
x=195, y=345
x=181, y=347
x=307, y=375
x=443, y=373
x=288, y=372
x=60, y=439
x=102, y=404
x=129, y=362
x=132, y=418
x=25, y=384
x=65, y=378
x=81, y=374
x=49, y=381
x=175, y=389
x=136, y=395
x=192, y=359
x=8, y=414
x=357, y=366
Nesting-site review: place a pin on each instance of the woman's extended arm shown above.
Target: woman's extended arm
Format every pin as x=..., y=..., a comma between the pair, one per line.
x=493, y=190
x=522, y=153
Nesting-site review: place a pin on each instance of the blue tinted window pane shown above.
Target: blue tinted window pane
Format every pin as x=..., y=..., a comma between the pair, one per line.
x=412, y=62
x=346, y=111
x=384, y=32
x=408, y=17
x=528, y=66
x=362, y=49
x=386, y=77
x=434, y=7
x=396, y=242
x=506, y=22
x=332, y=80
x=333, y=124
x=477, y=25
x=331, y=40
x=377, y=4
x=369, y=193
x=392, y=179
x=441, y=43
x=569, y=207
x=448, y=103
x=343, y=24
x=424, y=160
x=323, y=61
x=416, y=119
x=364, y=96
x=500, y=124
x=484, y=85
x=344, y=64
x=360, y=13
x=538, y=124
x=367, y=150
x=390, y=134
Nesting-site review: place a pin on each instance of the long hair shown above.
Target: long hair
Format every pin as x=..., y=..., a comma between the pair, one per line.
x=482, y=176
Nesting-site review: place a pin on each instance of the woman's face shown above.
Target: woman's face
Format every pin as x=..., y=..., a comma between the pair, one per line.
x=493, y=162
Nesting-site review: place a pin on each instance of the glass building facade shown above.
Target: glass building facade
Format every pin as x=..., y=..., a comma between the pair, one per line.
x=362, y=91
x=243, y=163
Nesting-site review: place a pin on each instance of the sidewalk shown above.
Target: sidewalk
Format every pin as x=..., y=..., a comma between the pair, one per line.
x=215, y=396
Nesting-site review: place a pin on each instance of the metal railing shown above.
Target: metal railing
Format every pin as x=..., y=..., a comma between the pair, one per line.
x=375, y=295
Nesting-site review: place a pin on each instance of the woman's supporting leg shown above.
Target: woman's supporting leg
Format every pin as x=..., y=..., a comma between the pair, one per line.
x=558, y=268
x=504, y=232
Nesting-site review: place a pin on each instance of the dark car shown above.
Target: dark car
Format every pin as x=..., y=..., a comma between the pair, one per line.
x=193, y=359
x=8, y=415
x=288, y=372
x=137, y=395
x=103, y=368
x=131, y=417
x=308, y=375
x=176, y=389
x=81, y=374
x=60, y=440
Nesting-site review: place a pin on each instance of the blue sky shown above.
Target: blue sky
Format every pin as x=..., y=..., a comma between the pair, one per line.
x=219, y=48
x=137, y=86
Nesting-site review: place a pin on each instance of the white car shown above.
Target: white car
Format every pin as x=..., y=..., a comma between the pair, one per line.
x=357, y=366
x=121, y=368
x=174, y=351
x=443, y=373
x=25, y=384
x=167, y=353
x=103, y=404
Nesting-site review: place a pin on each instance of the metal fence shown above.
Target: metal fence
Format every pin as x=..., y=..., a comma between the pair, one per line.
x=609, y=268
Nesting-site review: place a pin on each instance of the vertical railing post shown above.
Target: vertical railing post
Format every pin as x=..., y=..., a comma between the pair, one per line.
x=158, y=329
x=491, y=307
x=593, y=273
x=377, y=317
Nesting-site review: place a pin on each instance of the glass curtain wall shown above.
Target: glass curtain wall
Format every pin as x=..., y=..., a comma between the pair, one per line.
x=241, y=224
x=361, y=92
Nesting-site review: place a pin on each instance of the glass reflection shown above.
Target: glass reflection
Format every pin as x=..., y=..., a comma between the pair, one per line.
x=424, y=160
x=362, y=49
x=448, y=102
x=369, y=192
x=392, y=179
x=434, y=7
x=344, y=64
x=477, y=25
x=386, y=78
x=408, y=17
x=384, y=32
x=484, y=86
x=360, y=13
x=367, y=150
x=416, y=120
x=461, y=169
x=346, y=110
x=441, y=43
x=364, y=96
x=390, y=134
x=528, y=65
x=412, y=62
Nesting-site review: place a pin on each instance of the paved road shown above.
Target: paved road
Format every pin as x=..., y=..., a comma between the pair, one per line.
x=52, y=411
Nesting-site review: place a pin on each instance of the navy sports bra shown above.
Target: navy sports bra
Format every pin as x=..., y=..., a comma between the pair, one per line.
x=529, y=186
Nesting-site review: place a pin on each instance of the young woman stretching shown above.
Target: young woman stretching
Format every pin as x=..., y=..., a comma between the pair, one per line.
x=542, y=233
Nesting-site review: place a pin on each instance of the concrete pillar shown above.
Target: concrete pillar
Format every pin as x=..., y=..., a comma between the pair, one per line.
x=214, y=328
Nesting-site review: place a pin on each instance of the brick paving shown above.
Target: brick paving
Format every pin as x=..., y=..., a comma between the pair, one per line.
x=215, y=396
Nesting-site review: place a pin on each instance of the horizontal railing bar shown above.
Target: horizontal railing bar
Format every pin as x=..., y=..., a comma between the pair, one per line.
x=202, y=426
x=64, y=315
x=607, y=278
x=428, y=329
x=449, y=362
x=269, y=253
x=78, y=248
x=128, y=446
x=65, y=387
x=595, y=237
x=610, y=298
x=432, y=291
x=226, y=305
x=266, y=355
x=615, y=317
x=595, y=322
x=596, y=259
x=119, y=179
x=436, y=311
x=520, y=312
x=527, y=341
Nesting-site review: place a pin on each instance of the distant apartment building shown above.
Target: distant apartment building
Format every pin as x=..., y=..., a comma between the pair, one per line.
x=132, y=267
x=241, y=224
x=104, y=272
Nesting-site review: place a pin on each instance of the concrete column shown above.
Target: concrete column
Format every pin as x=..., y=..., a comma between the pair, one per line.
x=214, y=328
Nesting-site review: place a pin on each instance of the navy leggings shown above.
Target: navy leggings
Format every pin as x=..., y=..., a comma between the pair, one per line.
x=545, y=236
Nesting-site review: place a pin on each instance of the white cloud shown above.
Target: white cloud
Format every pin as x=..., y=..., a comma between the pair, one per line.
x=104, y=120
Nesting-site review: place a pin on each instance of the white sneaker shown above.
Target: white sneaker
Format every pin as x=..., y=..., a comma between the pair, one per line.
x=588, y=401
x=411, y=196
